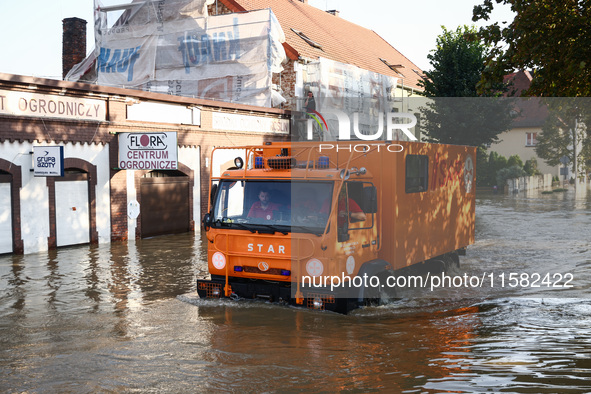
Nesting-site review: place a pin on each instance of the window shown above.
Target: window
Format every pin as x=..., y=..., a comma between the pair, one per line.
x=393, y=67
x=530, y=139
x=417, y=173
x=273, y=205
x=307, y=39
x=354, y=208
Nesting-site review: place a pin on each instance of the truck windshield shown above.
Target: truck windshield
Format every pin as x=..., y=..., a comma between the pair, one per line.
x=299, y=206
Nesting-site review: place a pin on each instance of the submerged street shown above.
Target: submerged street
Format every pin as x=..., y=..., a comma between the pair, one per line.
x=126, y=317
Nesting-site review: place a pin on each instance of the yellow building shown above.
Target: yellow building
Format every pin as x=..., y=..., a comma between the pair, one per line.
x=527, y=126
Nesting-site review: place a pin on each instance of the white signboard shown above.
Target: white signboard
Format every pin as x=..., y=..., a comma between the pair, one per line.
x=236, y=122
x=48, y=161
x=133, y=209
x=148, y=151
x=51, y=106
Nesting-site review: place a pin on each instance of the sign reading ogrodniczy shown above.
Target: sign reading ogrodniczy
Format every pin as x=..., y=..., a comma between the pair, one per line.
x=51, y=106
x=48, y=161
x=148, y=151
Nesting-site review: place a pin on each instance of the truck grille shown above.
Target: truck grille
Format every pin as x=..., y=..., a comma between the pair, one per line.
x=325, y=298
x=212, y=290
x=256, y=270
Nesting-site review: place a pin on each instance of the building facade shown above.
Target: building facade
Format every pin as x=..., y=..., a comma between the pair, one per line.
x=101, y=197
x=309, y=50
x=521, y=139
x=98, y=199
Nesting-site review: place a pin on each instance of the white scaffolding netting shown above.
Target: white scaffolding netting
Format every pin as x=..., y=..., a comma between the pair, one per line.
x=174, y=47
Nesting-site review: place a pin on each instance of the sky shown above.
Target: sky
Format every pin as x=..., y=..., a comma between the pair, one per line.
x=31, y=30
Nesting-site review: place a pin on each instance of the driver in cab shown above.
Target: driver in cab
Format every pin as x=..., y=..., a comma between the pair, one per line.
x=263, y=209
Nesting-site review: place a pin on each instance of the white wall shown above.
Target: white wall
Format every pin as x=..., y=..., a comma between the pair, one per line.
x=131, y=197
x=5, y=218
x=529, y=183
x=34, y=194
x=512, y=142
x=191, y=158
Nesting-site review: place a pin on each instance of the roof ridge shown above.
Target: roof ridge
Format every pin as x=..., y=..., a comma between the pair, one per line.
x=340, y=39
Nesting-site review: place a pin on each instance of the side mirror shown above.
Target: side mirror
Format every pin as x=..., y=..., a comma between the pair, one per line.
x=213, y=193
x=370, y=199
x=206, y=221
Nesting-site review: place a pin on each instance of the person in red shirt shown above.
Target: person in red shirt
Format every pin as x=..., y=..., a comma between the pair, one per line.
x=263, y=209
x=356, y=214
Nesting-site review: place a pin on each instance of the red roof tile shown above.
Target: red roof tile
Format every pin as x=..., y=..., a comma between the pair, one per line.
x=532, y=111
x=520, y=82
x=339, y=39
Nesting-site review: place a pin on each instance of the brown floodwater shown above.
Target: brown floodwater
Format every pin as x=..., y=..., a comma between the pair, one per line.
x=126, y=317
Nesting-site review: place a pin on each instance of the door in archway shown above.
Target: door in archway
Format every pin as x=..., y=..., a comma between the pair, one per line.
x=5, y=213
x=164, y=203
x=72, y=218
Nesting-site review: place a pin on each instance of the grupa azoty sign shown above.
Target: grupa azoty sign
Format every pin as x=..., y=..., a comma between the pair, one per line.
x=48, y=161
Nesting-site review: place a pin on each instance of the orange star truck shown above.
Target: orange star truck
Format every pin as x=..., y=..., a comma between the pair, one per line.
x=332, y=225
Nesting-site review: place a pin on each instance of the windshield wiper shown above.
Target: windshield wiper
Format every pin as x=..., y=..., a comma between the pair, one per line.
x=240, y=225
x=254, y=227
x=307, y=230
x=244, y=227
x=271, y=227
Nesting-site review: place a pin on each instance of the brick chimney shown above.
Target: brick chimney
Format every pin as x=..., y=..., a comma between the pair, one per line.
x=74, y=43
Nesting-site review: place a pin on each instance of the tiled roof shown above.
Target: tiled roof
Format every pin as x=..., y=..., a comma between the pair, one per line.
x=337, y=38
x=532, y=111
x=519, y=81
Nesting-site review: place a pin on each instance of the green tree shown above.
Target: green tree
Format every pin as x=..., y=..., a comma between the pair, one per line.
x=457, y=64
x=552, y=37
x=586, y=154
x=531, y=167
x=496, y=163
x=515, y=160
x=564, y=125
x=482, y=167
x=488, y=166
x=456, y=113
x=509, y=173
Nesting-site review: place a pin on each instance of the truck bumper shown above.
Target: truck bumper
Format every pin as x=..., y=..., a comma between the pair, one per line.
x=280, y=293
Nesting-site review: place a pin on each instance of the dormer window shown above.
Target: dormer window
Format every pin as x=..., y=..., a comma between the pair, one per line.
x=307, y=39
x=393, y=67
x=419, y=74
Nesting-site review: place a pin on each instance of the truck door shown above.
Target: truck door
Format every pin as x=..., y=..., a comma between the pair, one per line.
x=356, y=225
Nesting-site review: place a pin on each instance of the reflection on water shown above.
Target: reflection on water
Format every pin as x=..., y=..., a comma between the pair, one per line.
x=125, y=317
